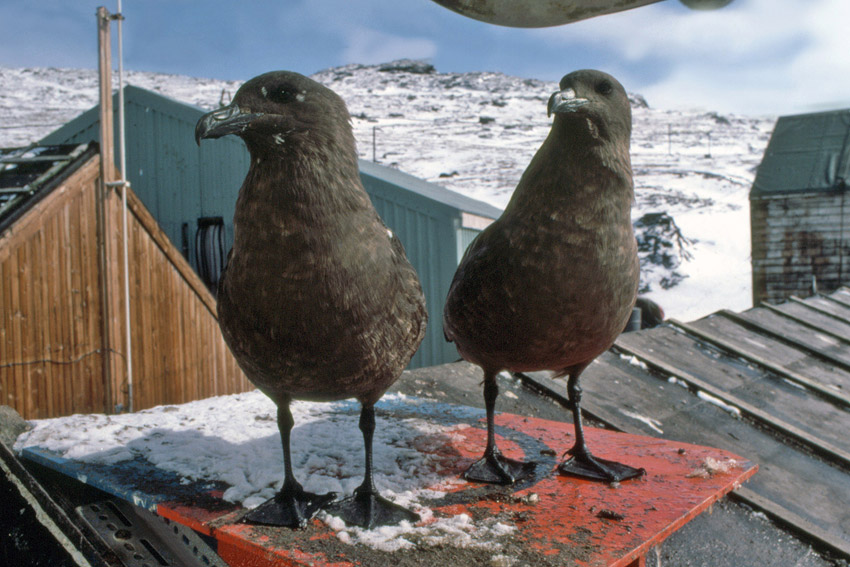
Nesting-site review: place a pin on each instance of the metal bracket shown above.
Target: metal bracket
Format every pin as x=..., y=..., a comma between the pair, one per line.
x=144, y=539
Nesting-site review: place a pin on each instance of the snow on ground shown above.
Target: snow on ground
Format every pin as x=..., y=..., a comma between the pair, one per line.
x=244, y=451
x=474, y=133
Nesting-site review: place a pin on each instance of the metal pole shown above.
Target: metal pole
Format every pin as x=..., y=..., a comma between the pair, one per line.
x=124, y=185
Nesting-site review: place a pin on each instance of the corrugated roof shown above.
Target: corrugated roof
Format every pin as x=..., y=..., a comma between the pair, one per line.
x=806, y=152
x=429, y=190
x=27, y=174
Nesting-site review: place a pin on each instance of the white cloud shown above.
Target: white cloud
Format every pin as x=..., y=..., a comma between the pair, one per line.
x=822, y=71
x=755, y=56
x=744, y=27
x=368, y=46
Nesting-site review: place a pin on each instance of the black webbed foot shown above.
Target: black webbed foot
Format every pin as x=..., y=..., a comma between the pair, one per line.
x=582, y=464
x=368, y=509
x=585, y=465
x=495, y=468
x=291, y=508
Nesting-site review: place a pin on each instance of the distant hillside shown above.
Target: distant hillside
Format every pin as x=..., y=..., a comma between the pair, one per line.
x=475, y=133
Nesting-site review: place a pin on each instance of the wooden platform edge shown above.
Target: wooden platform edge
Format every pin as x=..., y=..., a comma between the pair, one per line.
x=792, y=521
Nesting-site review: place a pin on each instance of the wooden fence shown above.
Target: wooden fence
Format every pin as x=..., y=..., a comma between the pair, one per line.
x=62, y=345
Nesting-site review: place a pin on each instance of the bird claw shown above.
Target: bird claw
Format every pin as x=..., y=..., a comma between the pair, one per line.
x=289, y=508
x=368, y=509
x=592, y=468
x=497, y=469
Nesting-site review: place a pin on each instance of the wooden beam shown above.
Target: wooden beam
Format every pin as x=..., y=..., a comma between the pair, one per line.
x=782, y=337
x=823, y=391
x=104, y=68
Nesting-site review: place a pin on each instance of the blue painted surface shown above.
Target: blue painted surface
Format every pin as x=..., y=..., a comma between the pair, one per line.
x=123, y=480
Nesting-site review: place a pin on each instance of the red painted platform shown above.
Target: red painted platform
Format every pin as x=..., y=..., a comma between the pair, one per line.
x=557, y=520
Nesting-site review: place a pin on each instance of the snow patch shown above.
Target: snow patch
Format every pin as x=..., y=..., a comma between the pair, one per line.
x=654, y=424
x=719, y=403
x=634, y=361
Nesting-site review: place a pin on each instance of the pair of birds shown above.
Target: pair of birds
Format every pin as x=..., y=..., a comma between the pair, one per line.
x=319, y=302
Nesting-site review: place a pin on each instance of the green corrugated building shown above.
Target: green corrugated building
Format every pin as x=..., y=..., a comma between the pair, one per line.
x=192, y=190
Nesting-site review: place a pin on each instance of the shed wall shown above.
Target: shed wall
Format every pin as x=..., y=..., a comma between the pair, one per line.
x=179, y=354
x=428, y=231
x=177, y=180
x=798, y=237
x=62, y=315
x=51, y=340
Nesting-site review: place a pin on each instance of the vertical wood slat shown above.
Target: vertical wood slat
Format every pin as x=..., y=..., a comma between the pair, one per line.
x=72, y=247
x=10, y=391
x=43, y=271
x=12, y=364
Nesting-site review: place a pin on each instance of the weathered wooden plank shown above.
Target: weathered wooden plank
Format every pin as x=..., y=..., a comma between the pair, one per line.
x=145, y=302
x=791, y=330
x=730, y=401
x=72, y=244
x=170, y=330
x=24, y=394
x=146, y=387
x=29, y=354
x=6, y=386
x=820, y=308
x=837, y=309
x=819, y=320
x=788, y=362
x=175, y=257
x=795, y=522
x=46, y=271
x=112, y=307
x=181, y=344
x=842, y=293
x=90, y=304
x=794, y=411
x=10, y=379
x=195, y=352
x=64, y=314
x=221, y=352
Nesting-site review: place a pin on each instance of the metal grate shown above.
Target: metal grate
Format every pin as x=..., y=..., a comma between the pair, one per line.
x=23, y=171
x=144, y=539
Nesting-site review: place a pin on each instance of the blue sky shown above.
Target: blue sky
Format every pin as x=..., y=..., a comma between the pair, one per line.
x=754, y=56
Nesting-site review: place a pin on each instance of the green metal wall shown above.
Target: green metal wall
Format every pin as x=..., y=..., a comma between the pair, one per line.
x=179, y=182
x=428, y=231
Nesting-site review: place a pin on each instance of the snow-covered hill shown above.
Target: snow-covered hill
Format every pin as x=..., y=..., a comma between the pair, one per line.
x=475, y=133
